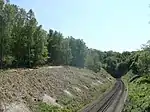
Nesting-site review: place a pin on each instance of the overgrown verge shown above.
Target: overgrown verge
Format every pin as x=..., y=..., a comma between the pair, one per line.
x=43, y=107
x=139, y=95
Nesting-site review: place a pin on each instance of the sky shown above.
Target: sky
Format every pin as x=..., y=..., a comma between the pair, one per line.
x=118, y=25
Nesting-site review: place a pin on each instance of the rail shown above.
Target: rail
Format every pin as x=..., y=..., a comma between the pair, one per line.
x=102, y=105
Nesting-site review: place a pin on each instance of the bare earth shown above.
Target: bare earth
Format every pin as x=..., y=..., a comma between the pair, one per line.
x=22, y=89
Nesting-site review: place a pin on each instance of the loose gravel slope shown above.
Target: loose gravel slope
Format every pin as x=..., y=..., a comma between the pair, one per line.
x=60, y=86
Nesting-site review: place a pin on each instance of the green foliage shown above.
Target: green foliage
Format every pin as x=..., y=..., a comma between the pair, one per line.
x=78, y=50
x=25, y=44
x=22, y=41
x=92, y=61
x=43, y=107
x=139, y=86
x=66, y=55
x=54, y=43
x=139, y=100
x=142, y=64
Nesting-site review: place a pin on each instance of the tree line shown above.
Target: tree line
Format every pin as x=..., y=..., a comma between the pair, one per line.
x=24, y=43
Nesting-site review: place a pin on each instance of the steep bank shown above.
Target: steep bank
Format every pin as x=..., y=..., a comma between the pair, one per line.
x=65, y=87
x=138, y=95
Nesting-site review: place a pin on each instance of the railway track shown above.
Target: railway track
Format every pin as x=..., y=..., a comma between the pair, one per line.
x=102, y=105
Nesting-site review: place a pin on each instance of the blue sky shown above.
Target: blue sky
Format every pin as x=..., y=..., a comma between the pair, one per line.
x=118, y=25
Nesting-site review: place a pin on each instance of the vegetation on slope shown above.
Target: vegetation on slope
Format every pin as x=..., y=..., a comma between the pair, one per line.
x=139, y=82
x=138, y=97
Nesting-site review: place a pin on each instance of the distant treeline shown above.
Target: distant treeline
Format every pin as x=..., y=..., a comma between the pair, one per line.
x=24, y=43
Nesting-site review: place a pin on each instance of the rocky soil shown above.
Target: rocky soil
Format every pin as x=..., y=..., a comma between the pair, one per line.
x=22, y=89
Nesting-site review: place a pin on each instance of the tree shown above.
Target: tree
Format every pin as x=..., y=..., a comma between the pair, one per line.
x=40, y=49
x=92, y=60
x=78, y=50
x=146, y=46
x=23, y=43
x=6, y=14
x=141, y=64
x=30, y=27
x=54, y=41
x=66, y=56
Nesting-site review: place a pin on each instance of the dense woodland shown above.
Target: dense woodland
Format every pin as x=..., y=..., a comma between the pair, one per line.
x=24, y=43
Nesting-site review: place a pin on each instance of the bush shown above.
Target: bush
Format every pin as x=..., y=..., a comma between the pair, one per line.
x=43, y=107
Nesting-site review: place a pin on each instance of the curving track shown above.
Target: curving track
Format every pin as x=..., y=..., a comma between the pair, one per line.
x=111, y=99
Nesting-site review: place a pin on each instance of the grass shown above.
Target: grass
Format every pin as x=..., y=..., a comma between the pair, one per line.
x=43, y=107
